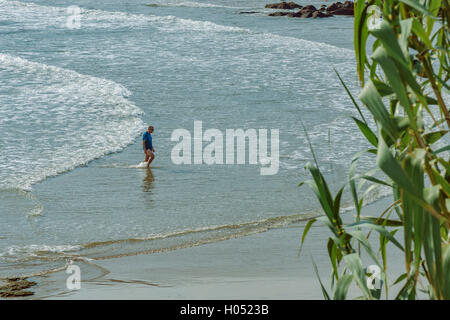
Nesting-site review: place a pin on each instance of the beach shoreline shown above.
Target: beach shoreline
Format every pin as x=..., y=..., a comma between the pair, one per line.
x=259, y=266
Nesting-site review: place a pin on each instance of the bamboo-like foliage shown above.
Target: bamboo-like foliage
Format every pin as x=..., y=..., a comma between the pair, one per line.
x=402, y=87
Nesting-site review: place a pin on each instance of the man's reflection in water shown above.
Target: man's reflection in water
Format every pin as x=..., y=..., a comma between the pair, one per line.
x=147, y=184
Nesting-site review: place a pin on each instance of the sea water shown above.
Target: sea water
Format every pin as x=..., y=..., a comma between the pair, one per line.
x=74, y=103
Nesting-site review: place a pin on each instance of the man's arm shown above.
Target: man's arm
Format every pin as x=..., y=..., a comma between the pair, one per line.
x=143, y=144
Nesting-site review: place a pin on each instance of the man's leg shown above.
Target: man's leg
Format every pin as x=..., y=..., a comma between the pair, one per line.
x=151, y=156
x=146, y=156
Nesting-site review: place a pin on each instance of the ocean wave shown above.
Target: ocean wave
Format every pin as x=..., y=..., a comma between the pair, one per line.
x=31, y=16
x=55, y=119
x=190, y=4
x=21, y=253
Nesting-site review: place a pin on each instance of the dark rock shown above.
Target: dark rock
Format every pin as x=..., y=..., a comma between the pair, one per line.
x=332, y=7
x=278, y=14
x=341, y=9
x=293, y=5
x=248, y=12
x=342, y=12
x=283, y=5
x=309, y=8
x=348, y=4
x=310, y=11
x=319, y=14
x=15, y=287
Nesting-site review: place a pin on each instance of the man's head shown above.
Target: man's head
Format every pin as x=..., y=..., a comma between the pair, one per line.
x=150, y=129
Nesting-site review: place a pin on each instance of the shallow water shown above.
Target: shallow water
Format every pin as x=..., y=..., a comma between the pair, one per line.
x=75, y=102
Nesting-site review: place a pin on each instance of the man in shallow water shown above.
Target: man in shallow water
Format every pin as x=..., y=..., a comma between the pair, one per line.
x=148, y=146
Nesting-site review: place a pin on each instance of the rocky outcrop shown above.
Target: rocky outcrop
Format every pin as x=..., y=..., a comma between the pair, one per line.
x=341, y=9
x=283, y=5
x=279, y=14
x=309, y=8
x=320, y=14
x=15, y=287
x=305, y=12
x=309, y=11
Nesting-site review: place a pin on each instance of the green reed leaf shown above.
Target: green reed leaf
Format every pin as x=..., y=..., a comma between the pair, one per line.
x=377, y=228
x=370, y=97
x=324, y=291
x=353, y=262
x=416, y=5
x=305, y=232
x=367, y=132
x=433, y=137
x=342, y=286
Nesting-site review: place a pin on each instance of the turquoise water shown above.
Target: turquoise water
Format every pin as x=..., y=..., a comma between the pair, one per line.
x=75, y=102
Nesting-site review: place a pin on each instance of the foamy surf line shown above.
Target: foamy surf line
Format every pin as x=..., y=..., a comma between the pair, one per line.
x=204, y=235
x=37, y=16
x=99, y=106
x=34, y=16
x=191, y=4
x=141, y=165
x=100, y=250
x=59, y=256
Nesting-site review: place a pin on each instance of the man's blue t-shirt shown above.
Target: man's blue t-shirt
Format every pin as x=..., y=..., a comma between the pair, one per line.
x=147, y=137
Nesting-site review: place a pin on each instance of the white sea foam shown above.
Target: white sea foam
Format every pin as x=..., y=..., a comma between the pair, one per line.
x=33, y=251
x=53, y=119
x=189, y=4
x=34, y=16
x=31, y=16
